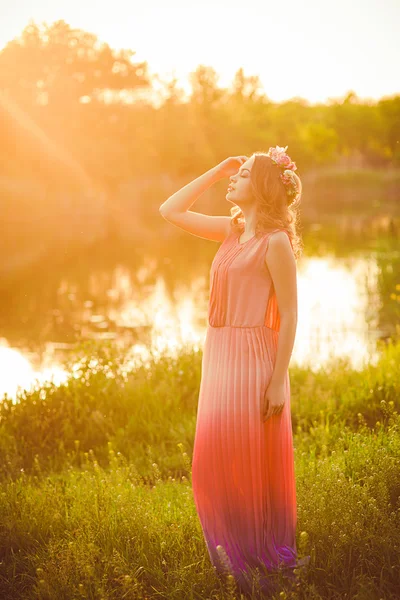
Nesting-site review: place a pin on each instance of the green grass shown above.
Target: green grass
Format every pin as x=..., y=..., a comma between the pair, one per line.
x=96, y=497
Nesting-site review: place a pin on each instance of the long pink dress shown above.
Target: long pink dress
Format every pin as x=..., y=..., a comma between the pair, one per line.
x=243, y=477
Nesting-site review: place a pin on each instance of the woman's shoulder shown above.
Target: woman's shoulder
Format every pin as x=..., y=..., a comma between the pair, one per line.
x=276, y=230
x=279, y=236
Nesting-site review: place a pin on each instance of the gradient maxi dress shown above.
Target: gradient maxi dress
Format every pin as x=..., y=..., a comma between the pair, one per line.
x=243, y=477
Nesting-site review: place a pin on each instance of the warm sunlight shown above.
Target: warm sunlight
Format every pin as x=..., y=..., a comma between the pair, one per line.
x=199, y=299
x=310, y=50
x=329, y=293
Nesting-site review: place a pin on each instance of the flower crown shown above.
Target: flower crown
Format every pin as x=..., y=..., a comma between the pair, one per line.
x=279, y=157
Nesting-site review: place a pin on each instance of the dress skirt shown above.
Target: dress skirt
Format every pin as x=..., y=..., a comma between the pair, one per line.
x=243, y=477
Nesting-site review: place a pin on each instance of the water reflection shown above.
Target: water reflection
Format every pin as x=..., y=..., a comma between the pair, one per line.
x=338, y=311
x=142, y=308
x=18, y=370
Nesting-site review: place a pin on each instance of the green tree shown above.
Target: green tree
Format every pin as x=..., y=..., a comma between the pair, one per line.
x=58, y=65
x=319, y=142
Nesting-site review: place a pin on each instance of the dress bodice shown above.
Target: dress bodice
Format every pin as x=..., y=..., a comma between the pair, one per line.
x=242, y=292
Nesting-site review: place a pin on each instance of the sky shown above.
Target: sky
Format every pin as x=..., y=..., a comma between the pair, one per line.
x=313, y=49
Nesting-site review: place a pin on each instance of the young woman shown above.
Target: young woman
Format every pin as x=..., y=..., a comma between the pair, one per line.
x=243, y=464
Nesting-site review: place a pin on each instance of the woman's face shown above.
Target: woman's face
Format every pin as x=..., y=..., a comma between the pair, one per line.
x=239, y=190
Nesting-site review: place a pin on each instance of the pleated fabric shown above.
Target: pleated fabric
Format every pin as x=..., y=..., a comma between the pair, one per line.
x=243, y=476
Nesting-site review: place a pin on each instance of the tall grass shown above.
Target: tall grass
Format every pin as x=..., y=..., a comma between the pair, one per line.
x=96, y=498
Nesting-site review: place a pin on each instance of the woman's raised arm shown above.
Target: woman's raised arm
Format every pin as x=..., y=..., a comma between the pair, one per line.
x=175, y=209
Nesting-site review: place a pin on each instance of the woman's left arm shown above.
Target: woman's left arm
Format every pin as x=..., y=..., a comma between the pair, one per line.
x=281, y=264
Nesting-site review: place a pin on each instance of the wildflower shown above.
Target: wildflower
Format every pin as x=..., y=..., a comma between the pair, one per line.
x=225, y=560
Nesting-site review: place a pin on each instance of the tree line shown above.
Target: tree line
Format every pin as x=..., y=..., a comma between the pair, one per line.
x=82, y=124
x=72, y=106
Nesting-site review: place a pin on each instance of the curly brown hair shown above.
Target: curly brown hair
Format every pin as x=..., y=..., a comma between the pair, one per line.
x=275, y=209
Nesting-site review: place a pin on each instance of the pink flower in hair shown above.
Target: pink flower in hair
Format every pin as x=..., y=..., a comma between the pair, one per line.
x=276, y=153
x=278, y=156
x=284, y=160
x=281, y=159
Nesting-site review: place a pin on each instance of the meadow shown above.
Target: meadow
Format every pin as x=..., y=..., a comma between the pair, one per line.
x=95, y=473
x=96, y=498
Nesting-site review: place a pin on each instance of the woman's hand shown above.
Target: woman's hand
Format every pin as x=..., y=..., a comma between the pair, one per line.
x=230, y=166
x=274, y=400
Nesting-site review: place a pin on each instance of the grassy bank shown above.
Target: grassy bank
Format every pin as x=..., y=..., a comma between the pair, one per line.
x=96, y=498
